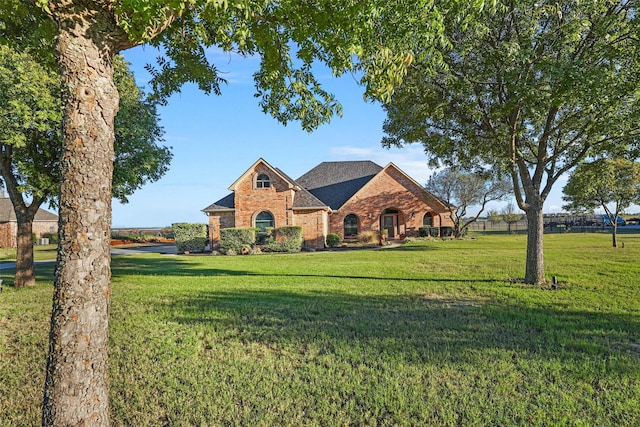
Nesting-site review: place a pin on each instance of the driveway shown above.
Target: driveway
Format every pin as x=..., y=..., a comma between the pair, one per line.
x=115, y=251
x=144, y=249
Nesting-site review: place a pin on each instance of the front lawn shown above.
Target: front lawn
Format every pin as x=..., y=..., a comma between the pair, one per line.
x=431, y=333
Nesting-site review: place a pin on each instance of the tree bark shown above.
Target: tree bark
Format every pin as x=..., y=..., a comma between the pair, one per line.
x=534, y=274
x=76, y=386
x=25, y=275
x=614, y=232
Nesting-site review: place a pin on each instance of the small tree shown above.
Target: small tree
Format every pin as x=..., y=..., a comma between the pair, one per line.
x=461, y=190
x=494, y=217
x=510, y=216
x=613, y=184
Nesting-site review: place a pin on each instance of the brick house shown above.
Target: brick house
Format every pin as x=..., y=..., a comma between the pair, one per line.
x=345, y=198
x=44, y=222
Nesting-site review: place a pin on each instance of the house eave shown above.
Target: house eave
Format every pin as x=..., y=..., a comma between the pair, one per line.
x=210, y=211
x=312, y=208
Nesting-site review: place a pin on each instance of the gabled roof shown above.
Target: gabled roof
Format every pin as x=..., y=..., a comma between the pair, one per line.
x=7, y=214
x=303, y=198
x=336, y=182
x=330, y=184
x=292, y=183
x=420, y=187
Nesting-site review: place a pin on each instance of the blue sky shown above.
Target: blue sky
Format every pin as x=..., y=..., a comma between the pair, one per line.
x=215, y=139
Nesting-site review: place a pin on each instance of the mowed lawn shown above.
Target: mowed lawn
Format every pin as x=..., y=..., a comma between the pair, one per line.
x=431, y=333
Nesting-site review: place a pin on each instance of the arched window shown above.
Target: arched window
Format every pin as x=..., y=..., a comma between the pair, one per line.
x=263, y=181
x=350, y=225
x=427, y=220
x=264, y=219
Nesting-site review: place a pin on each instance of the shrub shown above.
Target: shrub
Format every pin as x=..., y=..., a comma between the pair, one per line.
x=434, y=231
x=53, y=237
x=262, y=237
x=424, y=231
x=333, y=240
x=285, y=239
x=446, y=231
x=234, y=240
x=190, y=237
x=368, y=236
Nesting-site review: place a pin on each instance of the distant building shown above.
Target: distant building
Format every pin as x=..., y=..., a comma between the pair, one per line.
x=44, y=222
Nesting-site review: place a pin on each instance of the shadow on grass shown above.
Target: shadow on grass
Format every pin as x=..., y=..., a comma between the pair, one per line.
x=182, y=267
x=44, y=274
x=414, y=328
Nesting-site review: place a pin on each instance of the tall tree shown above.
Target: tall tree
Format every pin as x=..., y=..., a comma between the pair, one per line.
x=377, y=38
x=30, y=143
x=531, y=88
x=612, y=184
x=461, y=190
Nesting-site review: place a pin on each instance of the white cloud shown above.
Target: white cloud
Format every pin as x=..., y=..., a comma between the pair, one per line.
x=411, y=159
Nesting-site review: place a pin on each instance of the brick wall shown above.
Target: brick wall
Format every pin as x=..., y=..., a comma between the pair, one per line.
x=218, y=221
x=391, y=190
x=314, y=227
x=9, y=231
x=250, y=201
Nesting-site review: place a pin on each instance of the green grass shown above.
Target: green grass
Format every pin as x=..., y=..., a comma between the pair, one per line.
x=40, y=253
x=432, y=333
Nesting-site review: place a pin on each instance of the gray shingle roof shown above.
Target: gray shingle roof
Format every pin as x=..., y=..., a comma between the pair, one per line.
x=336, y=182
x=328, y=184
x=224, y=204
x=303, y=198
x=7, y=214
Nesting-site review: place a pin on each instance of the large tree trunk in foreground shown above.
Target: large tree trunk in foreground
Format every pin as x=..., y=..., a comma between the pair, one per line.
x=534, y=274
x=76, y=388
x=25, y=275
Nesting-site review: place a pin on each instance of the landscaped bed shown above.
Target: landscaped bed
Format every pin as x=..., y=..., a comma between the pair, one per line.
x=436, y=332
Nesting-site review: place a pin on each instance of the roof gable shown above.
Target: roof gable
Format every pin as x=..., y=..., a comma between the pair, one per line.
x=334, y=183
x=410, y=181
x=249, y=171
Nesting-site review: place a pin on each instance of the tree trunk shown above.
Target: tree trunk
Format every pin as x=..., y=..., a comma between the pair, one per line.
x=76, y=387
x=534, y=274
x=25, y=275
x=614, y=232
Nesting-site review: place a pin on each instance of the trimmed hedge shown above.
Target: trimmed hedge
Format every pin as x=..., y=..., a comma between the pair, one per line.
x=428, y=231
x=234, y=241
x=190, y=237
x=446, y=231
x=285, y=239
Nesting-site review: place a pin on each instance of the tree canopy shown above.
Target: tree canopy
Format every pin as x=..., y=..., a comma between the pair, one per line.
x=610, y=184
x=529, y=88
x=30, y=143
x=461, y=190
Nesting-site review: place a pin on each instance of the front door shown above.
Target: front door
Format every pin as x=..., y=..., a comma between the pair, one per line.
x=390, y=223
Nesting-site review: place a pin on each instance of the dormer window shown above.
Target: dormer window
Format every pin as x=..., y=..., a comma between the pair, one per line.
x=263, y=181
